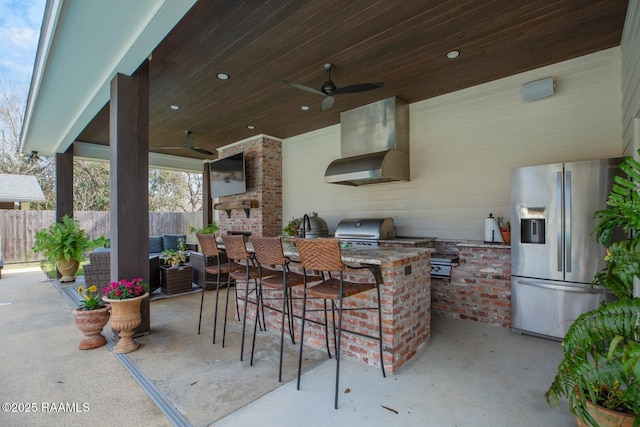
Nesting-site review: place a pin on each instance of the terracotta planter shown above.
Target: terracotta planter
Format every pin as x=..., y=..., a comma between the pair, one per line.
x=67, y=269
x=90, y=323
x=125, y=317
x=606, y=417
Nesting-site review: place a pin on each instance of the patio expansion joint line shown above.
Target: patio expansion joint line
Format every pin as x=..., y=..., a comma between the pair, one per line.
x=173, y=415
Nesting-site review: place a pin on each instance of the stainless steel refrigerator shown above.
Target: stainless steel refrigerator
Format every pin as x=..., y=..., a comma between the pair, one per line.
x=554, y=255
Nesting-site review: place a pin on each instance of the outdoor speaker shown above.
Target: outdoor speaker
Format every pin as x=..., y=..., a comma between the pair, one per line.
x=538, y=89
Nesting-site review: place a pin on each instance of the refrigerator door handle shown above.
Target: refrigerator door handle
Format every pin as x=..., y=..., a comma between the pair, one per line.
x=567, y=221
x=559, y=219
x=563, y=287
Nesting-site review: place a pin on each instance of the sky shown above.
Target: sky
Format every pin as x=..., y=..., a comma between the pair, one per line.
x=20, y=22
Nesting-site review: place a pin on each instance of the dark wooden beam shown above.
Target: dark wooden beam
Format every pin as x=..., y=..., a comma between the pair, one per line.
x=207, y=202
x=129, y=141
x=64, y=183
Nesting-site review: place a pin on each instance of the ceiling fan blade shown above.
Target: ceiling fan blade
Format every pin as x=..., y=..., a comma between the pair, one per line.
x=303, y=87
x=327, y=103
x=360, y=87
x=202, y=151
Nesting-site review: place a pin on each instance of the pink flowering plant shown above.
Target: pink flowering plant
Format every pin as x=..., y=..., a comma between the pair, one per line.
x=125, y=289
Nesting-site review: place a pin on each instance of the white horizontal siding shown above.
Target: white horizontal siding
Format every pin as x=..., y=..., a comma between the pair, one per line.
x=463, y=146
x=630, y=47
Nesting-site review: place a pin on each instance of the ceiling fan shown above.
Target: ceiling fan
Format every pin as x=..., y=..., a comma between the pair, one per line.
x=329, y=89
x=190, y=144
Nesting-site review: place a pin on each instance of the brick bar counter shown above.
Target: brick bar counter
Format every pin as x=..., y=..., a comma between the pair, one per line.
x=406, y=306
x=480, y=286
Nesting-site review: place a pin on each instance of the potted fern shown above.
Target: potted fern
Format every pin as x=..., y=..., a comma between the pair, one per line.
x=64, y=243
x=600, y=371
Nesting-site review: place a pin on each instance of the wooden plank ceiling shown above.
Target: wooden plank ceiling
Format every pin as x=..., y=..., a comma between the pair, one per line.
x=399, y=42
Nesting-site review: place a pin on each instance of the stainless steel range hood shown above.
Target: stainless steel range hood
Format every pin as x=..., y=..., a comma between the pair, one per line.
x=374, y=143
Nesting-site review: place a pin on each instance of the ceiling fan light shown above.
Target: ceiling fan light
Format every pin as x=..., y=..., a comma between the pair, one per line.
x=304, y=107
x=251, y=127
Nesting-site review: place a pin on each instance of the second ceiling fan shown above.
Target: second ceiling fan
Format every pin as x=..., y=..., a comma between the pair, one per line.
x=190, y=144
x=329, y=89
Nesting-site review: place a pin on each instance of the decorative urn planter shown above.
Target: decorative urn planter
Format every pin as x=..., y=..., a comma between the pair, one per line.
x=67, y=269
x=90, y=323
x=606, y=417
x=125, y=317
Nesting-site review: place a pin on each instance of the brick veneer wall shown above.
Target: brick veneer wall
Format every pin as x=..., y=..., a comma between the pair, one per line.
x=263, y=162
x=480, y=286
x=406, y=315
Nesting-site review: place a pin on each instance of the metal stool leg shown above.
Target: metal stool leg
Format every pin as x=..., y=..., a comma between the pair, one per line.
x=201, y=305
x=215, y=309
x=338, y=343
x=304, y=311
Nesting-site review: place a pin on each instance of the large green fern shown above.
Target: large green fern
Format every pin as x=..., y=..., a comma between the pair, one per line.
x=602, y=361
x=623, y=258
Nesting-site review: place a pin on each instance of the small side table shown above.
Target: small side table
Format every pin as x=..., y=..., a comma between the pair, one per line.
x=175, y=280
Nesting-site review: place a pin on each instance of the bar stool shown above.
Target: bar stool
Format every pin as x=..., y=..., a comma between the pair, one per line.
x=209, y=247
x=324, y=255
x=269, y=253
x=236, y=250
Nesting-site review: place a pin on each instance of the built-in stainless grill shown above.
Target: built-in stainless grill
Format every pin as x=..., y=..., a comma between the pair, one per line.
x=441, y=264
x=365, y=232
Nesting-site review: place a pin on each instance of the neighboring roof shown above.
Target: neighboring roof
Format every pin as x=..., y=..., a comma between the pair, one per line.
x=20, y=188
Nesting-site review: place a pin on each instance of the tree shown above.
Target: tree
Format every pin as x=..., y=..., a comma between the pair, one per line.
x=91, y=186
x=169, y=191
x=12, y=106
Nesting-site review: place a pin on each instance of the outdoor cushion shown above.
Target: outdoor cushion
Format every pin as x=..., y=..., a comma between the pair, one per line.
x=155, y=244
x=170, y=241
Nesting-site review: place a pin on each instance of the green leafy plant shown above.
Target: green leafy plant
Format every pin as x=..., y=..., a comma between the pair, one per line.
x=601, y=362
x=92, y=299
x=175, y=257
x=212, y=228
x=291, y=229
x=63, y=240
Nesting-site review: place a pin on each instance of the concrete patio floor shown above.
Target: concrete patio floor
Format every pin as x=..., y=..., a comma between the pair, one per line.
x=470, y=374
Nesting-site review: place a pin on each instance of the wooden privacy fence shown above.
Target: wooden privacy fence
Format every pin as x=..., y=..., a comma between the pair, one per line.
x=18, y=228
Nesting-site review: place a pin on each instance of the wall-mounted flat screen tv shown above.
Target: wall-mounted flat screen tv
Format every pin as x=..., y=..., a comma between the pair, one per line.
x=228, y=176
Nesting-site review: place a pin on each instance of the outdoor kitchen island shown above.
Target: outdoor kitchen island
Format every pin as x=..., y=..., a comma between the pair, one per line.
x=406, y=305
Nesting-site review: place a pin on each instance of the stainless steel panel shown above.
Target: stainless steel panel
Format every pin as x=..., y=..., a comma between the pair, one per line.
x=380, y=126
x=366, y=228
x=534, y=196
x=384, y=166
x=587, y=185
x=548, y=308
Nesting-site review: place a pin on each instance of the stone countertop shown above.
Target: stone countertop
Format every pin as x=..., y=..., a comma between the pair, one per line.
x=368, y=255
x=410, y=240
x=481, y=244
x=375, y=255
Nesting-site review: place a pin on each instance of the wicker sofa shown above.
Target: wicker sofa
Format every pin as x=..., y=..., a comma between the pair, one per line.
x=198, y=262
x=98, y=271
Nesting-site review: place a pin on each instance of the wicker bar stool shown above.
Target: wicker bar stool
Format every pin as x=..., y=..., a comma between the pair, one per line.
x=236, y=250
x=324, y=255
x=209, y=247
x=269, y=253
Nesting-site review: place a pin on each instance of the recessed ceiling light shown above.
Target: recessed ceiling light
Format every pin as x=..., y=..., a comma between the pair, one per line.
x=304, y=108
x=251, y=127
x=174, y=107
x=453, y=54
x=223, y=76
